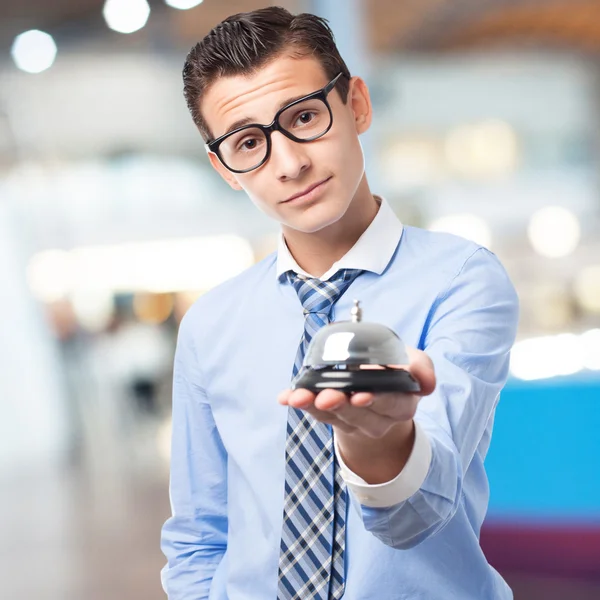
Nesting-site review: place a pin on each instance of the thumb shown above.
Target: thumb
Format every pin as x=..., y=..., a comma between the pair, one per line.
x=422, y=369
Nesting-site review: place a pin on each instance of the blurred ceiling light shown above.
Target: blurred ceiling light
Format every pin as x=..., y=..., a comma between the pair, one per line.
x=266, y=245
x=591, y=349
x=94, y=309
x=126, y=16
x=157, y=267
x=411, y=161
x=183, y=4
x=153, y=308
x=487, y=149
x=34, y=51
x=548, y=356
x=587, y=288
x=554, y=231
x=183, y=301
x=50, y=275
x=553, y=310
x=163, y=440
x=468, y=226
x=164, y=266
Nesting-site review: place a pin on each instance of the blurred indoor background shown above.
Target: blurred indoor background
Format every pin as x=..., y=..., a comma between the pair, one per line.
x=487, y=122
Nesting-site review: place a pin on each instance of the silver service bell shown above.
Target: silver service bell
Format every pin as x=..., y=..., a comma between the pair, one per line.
x=354, y=356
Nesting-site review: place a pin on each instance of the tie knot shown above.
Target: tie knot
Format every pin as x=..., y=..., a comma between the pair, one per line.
x=318, y=296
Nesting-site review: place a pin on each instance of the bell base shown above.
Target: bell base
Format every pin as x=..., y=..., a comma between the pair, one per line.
x=376, y=381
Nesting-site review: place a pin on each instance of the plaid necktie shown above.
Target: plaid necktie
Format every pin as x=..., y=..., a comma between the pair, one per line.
x=311, y=559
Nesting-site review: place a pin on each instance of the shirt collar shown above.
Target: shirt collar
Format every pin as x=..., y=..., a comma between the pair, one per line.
x=372, y=252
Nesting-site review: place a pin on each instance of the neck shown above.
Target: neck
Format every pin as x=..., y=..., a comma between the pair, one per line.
x=316, y=252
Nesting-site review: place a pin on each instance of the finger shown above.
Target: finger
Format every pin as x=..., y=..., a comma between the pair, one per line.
x=330, y=400
x=301, y=398
x=365, y=420
x=330, y=418
x=284, y=396
x=362, y=399
x=398, y=407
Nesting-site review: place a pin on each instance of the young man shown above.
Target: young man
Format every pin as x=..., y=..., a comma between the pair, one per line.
x=279, y=494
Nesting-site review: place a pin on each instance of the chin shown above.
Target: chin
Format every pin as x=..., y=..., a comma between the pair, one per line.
x=317, y=217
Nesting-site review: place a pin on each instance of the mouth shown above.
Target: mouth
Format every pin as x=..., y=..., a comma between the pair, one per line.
x=305, y=193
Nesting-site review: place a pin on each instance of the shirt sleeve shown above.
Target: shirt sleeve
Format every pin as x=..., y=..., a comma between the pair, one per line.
x=194, y=538
x=403, y=486
x=468, y=335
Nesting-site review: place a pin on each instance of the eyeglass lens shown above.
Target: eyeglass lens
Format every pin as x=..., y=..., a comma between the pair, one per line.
x=248, y=148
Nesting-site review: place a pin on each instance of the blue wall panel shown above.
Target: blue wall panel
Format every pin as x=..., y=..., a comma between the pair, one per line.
x=544, y=459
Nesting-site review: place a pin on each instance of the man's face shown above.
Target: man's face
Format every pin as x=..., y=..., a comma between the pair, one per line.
x=332, y=163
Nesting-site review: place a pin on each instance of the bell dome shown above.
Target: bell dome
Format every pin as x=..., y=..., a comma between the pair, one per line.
x=337, y=352
x=355, y=343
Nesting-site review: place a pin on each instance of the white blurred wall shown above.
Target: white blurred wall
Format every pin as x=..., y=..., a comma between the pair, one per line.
x=33, y=418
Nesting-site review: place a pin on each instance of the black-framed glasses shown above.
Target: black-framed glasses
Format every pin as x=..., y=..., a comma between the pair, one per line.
x=304, y=120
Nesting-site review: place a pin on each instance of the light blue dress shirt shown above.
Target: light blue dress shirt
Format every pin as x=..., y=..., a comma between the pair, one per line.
x=235, y=352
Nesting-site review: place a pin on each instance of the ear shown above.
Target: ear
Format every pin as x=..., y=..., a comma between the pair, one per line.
x=359, y=101
x=224, y=172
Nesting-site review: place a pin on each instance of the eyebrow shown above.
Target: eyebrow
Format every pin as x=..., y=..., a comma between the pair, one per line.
x=249, y=120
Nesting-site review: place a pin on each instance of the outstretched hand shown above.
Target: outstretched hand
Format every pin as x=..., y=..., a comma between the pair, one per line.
x=370, y=415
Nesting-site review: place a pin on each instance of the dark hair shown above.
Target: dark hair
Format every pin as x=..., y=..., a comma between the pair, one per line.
x=245, y=42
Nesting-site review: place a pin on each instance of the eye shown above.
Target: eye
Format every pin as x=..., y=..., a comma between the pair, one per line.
x=305, y=117
x=248, y=144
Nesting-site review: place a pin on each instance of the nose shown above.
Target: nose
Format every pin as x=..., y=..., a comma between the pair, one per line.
x=290, y=158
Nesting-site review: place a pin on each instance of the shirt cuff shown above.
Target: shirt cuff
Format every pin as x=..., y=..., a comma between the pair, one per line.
x=402, y=487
